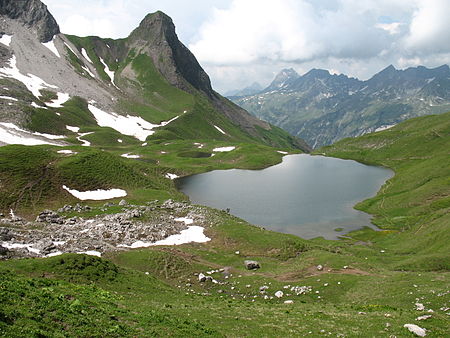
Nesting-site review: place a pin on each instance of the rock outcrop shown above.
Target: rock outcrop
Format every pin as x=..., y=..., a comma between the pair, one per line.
x=32, y=13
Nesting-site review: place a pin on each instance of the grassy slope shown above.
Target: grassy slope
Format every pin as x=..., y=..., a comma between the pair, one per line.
x=386, y=272
x=414, y=206
x=169, y=306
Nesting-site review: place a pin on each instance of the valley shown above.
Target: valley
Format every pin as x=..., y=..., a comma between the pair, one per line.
x=96, y=239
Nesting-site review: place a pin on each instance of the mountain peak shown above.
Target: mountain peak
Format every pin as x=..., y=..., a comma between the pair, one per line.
x=286, y=75
x=389, y=69
x=32, y=13
x=157, y=19
x=156, y=37
x=318, y=73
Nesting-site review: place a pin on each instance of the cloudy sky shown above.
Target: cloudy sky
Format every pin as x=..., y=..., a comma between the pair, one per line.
x=239, y=42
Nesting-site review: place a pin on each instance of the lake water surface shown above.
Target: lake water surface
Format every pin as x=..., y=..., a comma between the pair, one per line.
x=305, y=195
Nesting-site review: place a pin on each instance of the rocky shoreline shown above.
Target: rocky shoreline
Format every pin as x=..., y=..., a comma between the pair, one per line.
x=52, y=233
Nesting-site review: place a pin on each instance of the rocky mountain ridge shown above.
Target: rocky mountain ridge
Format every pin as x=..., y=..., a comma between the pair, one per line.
x=323, y=108
x=149, y=75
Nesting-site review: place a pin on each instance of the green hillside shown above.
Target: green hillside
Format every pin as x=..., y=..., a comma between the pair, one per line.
x=414, y=206
x=372, y=283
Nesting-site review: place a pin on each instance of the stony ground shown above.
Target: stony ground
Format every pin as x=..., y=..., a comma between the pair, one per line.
x=63, y=231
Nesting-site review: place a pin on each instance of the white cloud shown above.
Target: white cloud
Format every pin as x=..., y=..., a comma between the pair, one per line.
x=257, y=29
x=288, y=30
x=430, y=27
x=242, y=41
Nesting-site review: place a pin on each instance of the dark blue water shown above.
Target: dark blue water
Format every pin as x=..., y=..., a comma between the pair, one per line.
x=305, y=195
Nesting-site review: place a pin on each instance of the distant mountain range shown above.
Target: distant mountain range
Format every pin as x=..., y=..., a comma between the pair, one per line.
x=323, y=108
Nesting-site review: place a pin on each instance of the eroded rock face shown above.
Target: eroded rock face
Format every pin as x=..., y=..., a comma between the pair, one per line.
x=32, y=13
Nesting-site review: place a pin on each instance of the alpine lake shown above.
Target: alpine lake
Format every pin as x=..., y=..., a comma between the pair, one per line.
x=308, y=196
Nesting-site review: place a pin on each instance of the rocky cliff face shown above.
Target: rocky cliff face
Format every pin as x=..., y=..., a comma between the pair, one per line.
x=32, y=13
x=156, y=36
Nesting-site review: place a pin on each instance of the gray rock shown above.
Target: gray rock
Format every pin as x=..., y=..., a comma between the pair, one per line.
x=32, y=13
x=201, y=278
x=279, y=294
x=49, y=216
x=3, y=251
x=123, y=203
x=45, y=246
x=251, y=265
x=5, y=234
x=417, y=330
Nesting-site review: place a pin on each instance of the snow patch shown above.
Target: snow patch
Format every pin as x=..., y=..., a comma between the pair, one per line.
x=66, y=151
x=109, y=72
x=186, y=221
x=33, y=83
x=51, y=45
x=191, y=234
x=35, y=105
x=8, y=98
x=220, y=130
x=223, y=149
x=6, y=39
x=57, y=103
x=74, y=129
x=85, y=55
x=90, y=253
x=87, y=70
x=11, y=134
x=127, y=125
x=130, y=156
x=50, y=136
x=96, y=195
x=384, y=127
x=171, y=176
x=85, y=142
x=199, y=145
x=56, y=253
x=282, y=152
x=71, y=49
x=29, y=247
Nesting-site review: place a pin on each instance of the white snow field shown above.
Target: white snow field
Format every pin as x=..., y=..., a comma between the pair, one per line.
x=96, y=195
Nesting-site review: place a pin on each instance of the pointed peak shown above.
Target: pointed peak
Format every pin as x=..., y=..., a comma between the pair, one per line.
x=282, y=78
x=288, y=72
x=158, y=16
x=32, y=13
x=389, y=69
x=156, y=25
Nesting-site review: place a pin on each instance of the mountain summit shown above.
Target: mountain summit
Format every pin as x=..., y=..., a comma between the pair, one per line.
x=156, y=37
